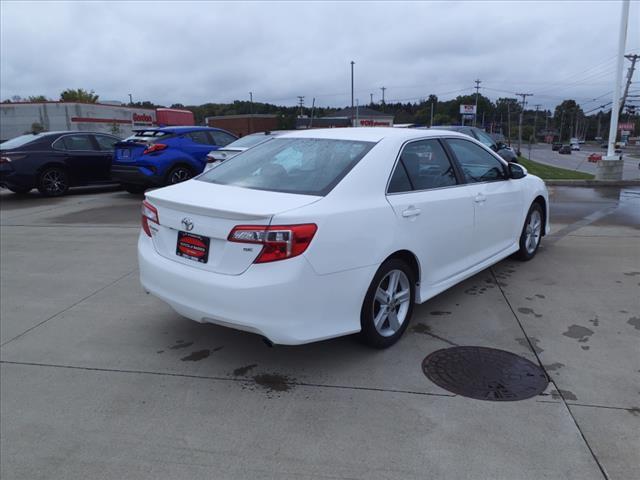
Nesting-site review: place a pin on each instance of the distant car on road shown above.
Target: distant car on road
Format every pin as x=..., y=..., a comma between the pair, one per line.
x=54, y=161
x=239, y=146
x=575, y=147
x=155, y=157
x=483, y=137
x=565, y=150
x=556, y=146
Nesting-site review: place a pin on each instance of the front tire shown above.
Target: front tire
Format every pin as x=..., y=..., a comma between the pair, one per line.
x=531, y=233
x=53, y=182
x=388, y=304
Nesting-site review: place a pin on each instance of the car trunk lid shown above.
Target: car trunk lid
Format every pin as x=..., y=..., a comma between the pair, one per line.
x=209, y=212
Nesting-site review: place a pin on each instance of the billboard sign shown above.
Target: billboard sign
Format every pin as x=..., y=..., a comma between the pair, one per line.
x=467, y=109
x=626, y=126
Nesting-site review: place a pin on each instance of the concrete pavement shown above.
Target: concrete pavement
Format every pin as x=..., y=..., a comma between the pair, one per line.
x=99, y=380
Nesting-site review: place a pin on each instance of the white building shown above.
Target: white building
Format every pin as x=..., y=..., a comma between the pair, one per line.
x=19, y=118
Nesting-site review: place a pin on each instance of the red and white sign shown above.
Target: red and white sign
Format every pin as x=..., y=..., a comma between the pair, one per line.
x=374, y=123
x=467, y=109
x=142, y=119
x=626, y=126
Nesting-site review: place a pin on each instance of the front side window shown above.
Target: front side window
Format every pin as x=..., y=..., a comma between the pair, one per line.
x=423, y=165
x=308, y=166
x=222, y=139
x=106, y=143
x=200, y=137
x=73, y=143
x=477, y=164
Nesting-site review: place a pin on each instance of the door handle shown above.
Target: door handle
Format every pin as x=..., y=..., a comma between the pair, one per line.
x=411, y=212
x=480, y=198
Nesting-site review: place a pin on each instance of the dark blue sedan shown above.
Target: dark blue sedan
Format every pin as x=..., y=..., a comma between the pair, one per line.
x=54, y=161
x=156, y=157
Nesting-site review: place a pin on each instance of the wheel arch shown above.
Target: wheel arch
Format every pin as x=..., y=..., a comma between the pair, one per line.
x=410, y=259
x=540, y=200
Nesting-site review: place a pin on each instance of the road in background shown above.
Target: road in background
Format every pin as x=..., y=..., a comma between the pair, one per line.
x=542, y=153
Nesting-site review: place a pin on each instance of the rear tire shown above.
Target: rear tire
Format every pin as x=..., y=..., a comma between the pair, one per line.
x=135, y=189
x=388, y=304
x=53, y=182
x=20, y=190
x=179, y=174
x=531, y=233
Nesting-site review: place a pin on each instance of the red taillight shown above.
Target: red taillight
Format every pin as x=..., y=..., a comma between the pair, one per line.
x=156, y=147
x=279, y=241
x=149, y=214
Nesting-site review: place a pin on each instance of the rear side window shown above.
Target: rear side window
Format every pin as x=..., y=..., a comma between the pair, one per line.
x=222, y=139
x=423, y=165
x=477, y=164
x=308, y=166
x=105, y=142
x=200, y=137
x=74, y=143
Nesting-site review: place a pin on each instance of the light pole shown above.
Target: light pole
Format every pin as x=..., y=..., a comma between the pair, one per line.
x=352, y=64
x=477, y=87
x=130, y=99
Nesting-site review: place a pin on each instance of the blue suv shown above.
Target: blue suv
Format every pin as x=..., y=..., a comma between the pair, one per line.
x=156, y=157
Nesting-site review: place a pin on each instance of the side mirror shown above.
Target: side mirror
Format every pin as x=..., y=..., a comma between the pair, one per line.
x=517, y=171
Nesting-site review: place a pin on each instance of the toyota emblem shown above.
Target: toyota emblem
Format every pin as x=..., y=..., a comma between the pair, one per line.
x=188, y=224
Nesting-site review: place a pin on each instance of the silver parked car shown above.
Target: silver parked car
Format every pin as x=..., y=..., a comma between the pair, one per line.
x=239, y=146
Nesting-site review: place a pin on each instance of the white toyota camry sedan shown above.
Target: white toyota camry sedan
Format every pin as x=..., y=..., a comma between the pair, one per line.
x=322, y=233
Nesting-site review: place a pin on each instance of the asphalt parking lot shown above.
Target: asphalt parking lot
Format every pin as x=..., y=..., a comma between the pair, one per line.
x=100, y=380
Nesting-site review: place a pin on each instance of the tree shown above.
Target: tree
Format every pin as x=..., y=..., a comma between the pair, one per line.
x=36, y=127
x=78, y=95
x=37, y=98
x=565, y=117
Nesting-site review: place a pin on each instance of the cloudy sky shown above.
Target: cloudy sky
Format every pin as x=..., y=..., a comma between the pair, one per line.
x=196, y=52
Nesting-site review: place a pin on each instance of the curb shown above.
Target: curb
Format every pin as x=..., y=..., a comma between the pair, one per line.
x=593, y=183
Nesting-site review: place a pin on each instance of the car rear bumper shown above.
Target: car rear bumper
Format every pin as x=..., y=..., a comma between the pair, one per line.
x=10, y=178
x=136, y=175
x=286, y=301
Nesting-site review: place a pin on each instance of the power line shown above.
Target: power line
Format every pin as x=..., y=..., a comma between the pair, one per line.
x=524, y=103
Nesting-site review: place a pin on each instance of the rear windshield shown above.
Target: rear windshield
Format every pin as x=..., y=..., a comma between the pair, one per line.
x=308, y=166
x=19, y=141
x=249, y=141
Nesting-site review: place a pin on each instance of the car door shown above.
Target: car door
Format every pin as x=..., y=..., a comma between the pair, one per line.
x=198, y=144
x=434, y=216
x=81, y=156
x=497, y=200
x=106, y=146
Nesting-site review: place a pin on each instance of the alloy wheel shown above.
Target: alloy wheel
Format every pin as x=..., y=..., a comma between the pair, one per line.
x=391, y=303
x=178, y=175
x=533, y=231
x=54, y=182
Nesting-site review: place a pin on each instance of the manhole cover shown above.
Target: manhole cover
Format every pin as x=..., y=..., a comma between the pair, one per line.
x=485, y=373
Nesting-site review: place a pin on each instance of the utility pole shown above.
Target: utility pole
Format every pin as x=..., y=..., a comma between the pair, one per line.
x=383, y=89
x=313, y=106
x=561, y=121
x=352, y=64
x=251, y=112
x=130, y=99
x=477, y=87
x=509, y=123
x=633, y=59
x=607, y=170
x=371, y=95
x=524, y=103
x=301, y=103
